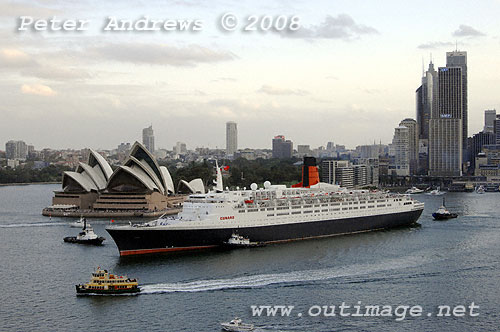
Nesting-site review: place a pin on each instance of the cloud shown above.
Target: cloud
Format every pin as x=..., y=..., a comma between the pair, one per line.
x=270, y=90
x=37, y=89
x=56, y=73
x=467, y=31
x=224, y=79
x=342, y=26
x=154, y=54
x=14, y=58
x=435, y=45
x=12, y=9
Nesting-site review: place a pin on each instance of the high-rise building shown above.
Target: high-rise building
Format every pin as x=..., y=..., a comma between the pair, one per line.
x=328, y=168
x=401, y=146
x=476, y=143
x=231, y=138
x=180, y=148
x=16, y=150
x=497, y=129
x=459, y=59
x=446, y=127
x=148, y=138
x=489, y=121
x=413, y=147
x=282, y=149
x=426, y=100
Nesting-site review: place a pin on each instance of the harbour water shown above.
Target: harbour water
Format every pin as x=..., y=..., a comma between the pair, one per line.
x=454, y=262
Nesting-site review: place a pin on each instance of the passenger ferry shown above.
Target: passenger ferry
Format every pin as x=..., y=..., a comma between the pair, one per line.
x=270, y=214
x=103, y=282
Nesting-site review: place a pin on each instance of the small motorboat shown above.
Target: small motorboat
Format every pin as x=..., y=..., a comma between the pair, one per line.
x=78, y=224
x=443, y=214
x=236, y=325
x=86, y=236
x=239, y=241
x=103, y=282
x=436, y=192
x=413, y=191
x=480, y=189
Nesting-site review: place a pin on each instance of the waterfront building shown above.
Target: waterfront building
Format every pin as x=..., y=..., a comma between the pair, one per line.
x=476, y=144
x=341, y=172
x=231, y=138
x=328, y=168
x=139, y=185
x=148, y=138
x=459, y=59
x=488, y=162
x=282, y=149
x=401, y=147
x=445, y=126
x=489, y=121
x=413, y=146
x=497, y=129
x=360, y=175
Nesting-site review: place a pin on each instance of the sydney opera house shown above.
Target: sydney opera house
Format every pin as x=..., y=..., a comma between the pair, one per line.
x=139, y=187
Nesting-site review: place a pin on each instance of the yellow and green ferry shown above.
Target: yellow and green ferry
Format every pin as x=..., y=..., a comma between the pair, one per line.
x=103, y=282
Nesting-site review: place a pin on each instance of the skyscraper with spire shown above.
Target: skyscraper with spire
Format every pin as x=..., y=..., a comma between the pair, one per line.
x=426, y=102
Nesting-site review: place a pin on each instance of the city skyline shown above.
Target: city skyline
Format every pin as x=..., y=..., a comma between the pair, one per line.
x=327, y=78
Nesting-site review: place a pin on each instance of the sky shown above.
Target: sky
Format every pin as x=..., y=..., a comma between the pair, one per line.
x=348, y=75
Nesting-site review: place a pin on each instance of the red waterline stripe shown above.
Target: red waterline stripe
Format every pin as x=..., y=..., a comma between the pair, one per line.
x=152, y=251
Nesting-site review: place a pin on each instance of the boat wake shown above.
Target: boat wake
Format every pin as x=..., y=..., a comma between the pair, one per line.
x=32, y=225
x=295, y=277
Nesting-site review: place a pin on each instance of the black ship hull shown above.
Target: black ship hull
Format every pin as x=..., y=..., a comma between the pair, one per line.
x=146, y=240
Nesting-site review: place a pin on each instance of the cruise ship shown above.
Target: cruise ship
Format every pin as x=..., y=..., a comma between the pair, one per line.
x=269, y=214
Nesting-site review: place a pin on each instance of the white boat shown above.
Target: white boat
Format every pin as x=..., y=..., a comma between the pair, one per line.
x=236, y=325
x=414, y=190
x=78, y=224
x=480, y=190
x=436, y=192
x=239, y=241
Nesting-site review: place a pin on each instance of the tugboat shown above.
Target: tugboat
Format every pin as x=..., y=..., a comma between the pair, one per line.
x=239, y=241
x=443, y=214
x=86, y=236
x=103, y=282
x=236, y=325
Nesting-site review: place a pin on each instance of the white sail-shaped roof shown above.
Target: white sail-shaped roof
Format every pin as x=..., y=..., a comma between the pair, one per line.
x=131, y=178
x=94, y=173
x=146, y=168
x=139, y=152
x=72, y=180
x=168, y=180
x=194, y=186
x=95, y=159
